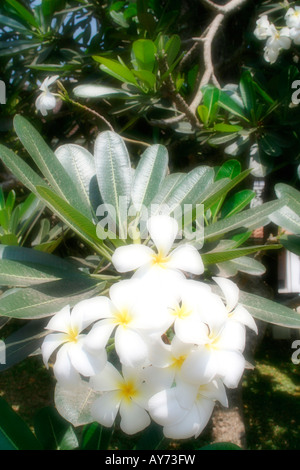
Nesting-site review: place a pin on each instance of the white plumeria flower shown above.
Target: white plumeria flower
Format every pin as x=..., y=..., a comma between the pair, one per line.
x=133, y=315
x=46, y=100
x=271, y=54
x=295, y=35
x=221, y=355
x=127, y=394
x=263, y=28
x=188, y=309
x=279, y=39
x=72, y=358
x=167, y=360
x=162, y=264
x=292, y=17
x=185, y=410
x=235, y=311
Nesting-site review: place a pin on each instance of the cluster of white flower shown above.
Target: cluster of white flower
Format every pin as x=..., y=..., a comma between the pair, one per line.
x=177, y=344
x=279, y=39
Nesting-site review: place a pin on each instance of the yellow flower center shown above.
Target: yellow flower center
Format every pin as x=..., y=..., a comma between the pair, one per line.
x=178, y=361
x=213, y=342
x=127, y=390
x=72, y=335
x=122, y=318
x=160, y=260
x=181, y=312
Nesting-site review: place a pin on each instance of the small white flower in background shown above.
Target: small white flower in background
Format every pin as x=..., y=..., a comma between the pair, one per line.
x=270, y=54
x=162, y=264
x=263, y=28
x=46, y=101
x=72, y=358
x=292, y=17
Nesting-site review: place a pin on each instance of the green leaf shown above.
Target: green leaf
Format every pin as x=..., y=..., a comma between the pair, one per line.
x=170, y=183
x=99, y=91
x=269, y=311
x=149, y=175
x=222, y=127
x=146, y=77
x=248, y=219
x=114, y=172
x=48, y=163
x=11, y=23
x=23, y=12
x=23, y=342
x=47, y=299
x=210, y=100
x=144, y=52
x=51, y=6
x=151, y=438
x=79, y=163
x=291, y=243
x=244, y=264
x=221, y=256
x=116, y=70
x=53, y=432
x=14, y=433
x=80, y=224
x=227, y=103
x=226, y=185
x=229, y=169
x=190, y=189
x=248, y=94
x=24, y=274
x=172, y=48
x=96, y=437
x=21, y=170
x=203, y=114
x=28, y=255
x=268, y=144
x=75, y=404
x=237, y=202
x=288, y=216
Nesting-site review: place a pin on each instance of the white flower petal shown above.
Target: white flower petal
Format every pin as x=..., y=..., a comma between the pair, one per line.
x=191, y=329
x=200, y=367
x=186, y=258
x=107, y=380
x=85, y=363
x=232, y=336
x=130, y=347
x=104, y=410
x=130, y=257
x=230, y=291
x=90, y=310
x=100, y=333
x=231, y=365
x=188, y=427
x=63, y=369
x=242, y=315
x=165, y=409
x=163, y=230
x=50, y=343
x=61, y=321
x=133, y=418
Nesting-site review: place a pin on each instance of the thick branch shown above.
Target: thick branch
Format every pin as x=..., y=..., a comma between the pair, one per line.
x=232, y=5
